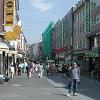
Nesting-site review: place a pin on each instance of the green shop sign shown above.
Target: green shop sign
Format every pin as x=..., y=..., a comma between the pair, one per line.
x=92, y=54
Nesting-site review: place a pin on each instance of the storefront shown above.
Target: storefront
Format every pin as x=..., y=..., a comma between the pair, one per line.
x=82, y=60
x=5, y=49
x=94, y=49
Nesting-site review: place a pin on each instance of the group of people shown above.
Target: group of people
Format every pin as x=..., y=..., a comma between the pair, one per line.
x=26, y=67
x=73, y=72
x=51, y=69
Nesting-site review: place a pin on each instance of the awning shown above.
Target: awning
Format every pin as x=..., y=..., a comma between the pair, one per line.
x=91, y=34
x=3, y=46
x=1, y=33
x=10, y=46
x=6, y=46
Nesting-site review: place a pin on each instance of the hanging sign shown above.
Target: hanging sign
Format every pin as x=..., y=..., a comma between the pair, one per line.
x=11, y=36
x=17, y=29
x=9, y=15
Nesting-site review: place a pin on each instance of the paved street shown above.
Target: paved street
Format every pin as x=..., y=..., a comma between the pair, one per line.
x=32, y=89
x=48, y=88
x=88, y=89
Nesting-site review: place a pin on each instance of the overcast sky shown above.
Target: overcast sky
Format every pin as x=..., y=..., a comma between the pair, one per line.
x=36, y=15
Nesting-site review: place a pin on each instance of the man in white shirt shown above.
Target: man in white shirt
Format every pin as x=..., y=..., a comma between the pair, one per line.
x=12, y=71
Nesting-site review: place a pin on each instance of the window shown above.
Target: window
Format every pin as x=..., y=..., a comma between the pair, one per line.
x=98, y=18
x=74, y=18
x=95, y=20
x=80, y=44
x=76, y=45
x=95, y=3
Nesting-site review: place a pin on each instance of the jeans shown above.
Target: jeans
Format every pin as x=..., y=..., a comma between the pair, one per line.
x=73, y=86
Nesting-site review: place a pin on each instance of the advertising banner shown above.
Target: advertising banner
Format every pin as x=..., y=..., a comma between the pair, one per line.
x=9, y=12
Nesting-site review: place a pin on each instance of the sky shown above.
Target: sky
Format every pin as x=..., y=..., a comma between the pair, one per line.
x=35, y=16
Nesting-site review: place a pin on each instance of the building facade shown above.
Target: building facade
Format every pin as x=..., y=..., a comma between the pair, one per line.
x=94, y=35
x=81, y=28
x=62, y=38
x=47, y=44
x=67, y=30
x=57, y=40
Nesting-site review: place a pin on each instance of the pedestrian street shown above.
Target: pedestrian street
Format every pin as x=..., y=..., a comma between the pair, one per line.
x=21, y=88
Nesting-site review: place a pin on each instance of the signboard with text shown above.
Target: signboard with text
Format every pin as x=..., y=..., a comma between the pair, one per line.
x=9, y=15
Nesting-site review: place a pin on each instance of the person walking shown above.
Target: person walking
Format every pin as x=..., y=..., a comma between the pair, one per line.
x=23, y=67
x=20, y=69
x=26, y=64
x=48, y=69
x=28, y=71
x=40, y=70
x=74, y=79
x=37, y=70
x=15, y=68
x=12, y=71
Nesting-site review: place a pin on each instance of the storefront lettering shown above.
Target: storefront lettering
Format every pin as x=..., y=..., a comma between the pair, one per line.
x=9, y=4
x=9, y=12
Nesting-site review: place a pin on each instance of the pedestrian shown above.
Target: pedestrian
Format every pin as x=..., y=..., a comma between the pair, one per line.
x=15, y=68
x=64, y=70
x=69, y=75
x=37, y=70
x=48, y=69
x=20, y=69
x=23, y=67
x=25, y=63
x=40, y=70
x=74, y=79
x=12, y=71
x=31, y=66
x=28, y=71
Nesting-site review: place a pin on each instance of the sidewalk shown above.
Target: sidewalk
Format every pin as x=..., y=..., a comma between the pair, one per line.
x=87, y=90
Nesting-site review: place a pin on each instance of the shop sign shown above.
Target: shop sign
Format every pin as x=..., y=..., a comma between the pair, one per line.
x=9, y=12
x=17, y=29
x=92, y=54
x=11, y=36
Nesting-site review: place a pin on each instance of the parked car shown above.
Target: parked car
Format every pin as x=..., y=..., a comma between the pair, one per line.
x=2, y=78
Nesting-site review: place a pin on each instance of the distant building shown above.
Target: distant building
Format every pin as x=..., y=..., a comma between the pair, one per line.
x=62, y=38
x=47, y=43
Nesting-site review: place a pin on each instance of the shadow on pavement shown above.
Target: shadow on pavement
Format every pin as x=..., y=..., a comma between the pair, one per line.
x=87, y=88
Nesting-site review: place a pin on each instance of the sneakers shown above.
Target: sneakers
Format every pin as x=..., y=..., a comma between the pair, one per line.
x=75, y=94
x=69, y=94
